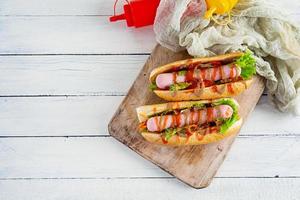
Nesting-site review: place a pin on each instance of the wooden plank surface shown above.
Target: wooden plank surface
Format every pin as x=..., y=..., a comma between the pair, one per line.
x=89, y=116
x=159, y=189
x=56, y=116
x=194, y=165
x=71, y=35
x=68, y=75
x=93, y=157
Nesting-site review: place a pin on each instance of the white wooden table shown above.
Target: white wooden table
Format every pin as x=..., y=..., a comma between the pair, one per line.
x=64, y=71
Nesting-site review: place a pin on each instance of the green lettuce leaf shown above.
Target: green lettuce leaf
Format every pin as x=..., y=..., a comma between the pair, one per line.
x=199, y=105
x=152, y=86
x=235, y=117
x=247, y=64
x=179, y=86
x=182, y=72
x=170, y=132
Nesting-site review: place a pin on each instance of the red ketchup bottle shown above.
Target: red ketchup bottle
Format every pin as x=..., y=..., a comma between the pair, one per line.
x=137, y=13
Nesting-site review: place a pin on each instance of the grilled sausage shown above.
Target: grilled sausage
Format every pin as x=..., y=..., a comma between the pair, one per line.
x=187, y=117
x=165, y=80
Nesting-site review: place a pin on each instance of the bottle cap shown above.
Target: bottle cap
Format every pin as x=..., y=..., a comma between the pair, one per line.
x=137, y=13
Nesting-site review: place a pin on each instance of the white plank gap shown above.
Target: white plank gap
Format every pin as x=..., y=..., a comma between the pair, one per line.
x=159, y=189
x=91, y=157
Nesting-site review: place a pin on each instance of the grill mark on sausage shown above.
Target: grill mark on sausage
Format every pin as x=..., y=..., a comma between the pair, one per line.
x=164, y=122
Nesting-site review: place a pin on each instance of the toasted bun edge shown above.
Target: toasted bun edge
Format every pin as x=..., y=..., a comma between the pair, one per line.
x=205, y=93
x=193, y=140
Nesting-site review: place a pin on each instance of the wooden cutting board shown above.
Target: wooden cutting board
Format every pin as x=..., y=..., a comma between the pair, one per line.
x=194, y=165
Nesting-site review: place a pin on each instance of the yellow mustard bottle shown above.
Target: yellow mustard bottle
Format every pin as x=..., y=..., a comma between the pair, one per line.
x=219, y=7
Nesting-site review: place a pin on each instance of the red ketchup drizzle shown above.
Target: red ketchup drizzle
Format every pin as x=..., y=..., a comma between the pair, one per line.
x=142, y=125
x=203, y=73
x=231, y=75
x=189, y=75
x=174, y=77
x=193, y=65
x=188, y=135
x=213, y=129
x=214, y=88
x=230, y=88
x=164, y=124
x=221, y=72
x=209, y=115
x=216, y=63
x=175, y=69
x=177, y=120
x=164, y=140
x=200, y=136
x=214, y=74
x=208, y=83
x=156, y=122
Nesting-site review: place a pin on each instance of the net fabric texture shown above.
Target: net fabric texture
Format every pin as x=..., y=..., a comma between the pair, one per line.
x=268, y=28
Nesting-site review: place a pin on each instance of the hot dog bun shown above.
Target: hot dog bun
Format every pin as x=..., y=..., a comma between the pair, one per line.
x=213, y=92
x=145, y=112
x=218, y=91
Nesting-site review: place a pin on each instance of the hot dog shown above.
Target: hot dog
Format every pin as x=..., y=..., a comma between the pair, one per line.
x=204, y=78
x=160, y=123
x=189, y=122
